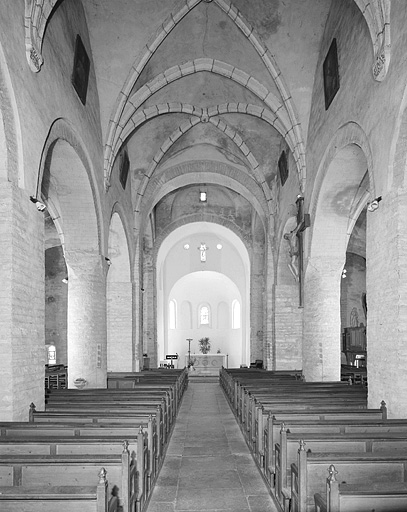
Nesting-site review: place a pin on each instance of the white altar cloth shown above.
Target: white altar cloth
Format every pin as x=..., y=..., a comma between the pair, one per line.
x=207, y=364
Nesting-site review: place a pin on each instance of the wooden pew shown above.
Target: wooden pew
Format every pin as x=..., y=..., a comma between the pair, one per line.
x=117, y=407
x=130, y=380
x=97, y=416
x=308, y=474
x=307, y=403
x=42, y=471
x=287, y=447
x=268, y=426
x=137, y=445
x=102, y=399
x=381, y=497
x=97, y=423
x=76, y=498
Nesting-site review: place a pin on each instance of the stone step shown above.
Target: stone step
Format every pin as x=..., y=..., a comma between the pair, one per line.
x=203, y=378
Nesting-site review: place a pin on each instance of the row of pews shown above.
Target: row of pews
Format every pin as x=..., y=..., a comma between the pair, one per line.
x=318, y=446
x=91, y=450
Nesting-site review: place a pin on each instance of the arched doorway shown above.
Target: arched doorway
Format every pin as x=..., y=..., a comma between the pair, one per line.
x=186, y=284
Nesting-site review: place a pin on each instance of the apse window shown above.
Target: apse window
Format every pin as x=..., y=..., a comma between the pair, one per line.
x=235, y=314
x=172, y=314
x=202, y=197
x=204, y=315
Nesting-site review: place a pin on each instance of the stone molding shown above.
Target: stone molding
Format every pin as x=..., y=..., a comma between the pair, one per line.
x=36, y=16
x=377, y=16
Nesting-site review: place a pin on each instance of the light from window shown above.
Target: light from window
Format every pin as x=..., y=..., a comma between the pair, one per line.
x=52, y=355
x=204, y=315
x=235, y=314
x=172, y=314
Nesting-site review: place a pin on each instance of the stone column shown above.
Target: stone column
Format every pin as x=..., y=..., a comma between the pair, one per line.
x=149, y=298
x=87, y=345
x=257, y=287
x=22, y=344
x=386, y=291
x=321, y=352
x=119, y=328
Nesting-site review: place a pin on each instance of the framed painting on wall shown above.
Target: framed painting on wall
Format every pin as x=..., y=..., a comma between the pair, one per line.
x=331, y=74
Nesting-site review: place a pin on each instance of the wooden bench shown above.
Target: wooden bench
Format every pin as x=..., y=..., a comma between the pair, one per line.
x=130, y=380
x=84, y=424
x=287, y=447
x=99, y=417
x=102, y=400
x=381, y=497
x=56, y=444
x=76, y=498
x=308, y=474
x=307, y=403
x=41, y=471
x=297, y=424
x=268, y=426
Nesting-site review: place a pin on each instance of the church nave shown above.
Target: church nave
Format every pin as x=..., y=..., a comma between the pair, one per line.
x=208, y=466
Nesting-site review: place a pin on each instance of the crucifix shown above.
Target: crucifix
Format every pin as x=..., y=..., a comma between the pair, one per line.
x=203, y=250
x=296, y=250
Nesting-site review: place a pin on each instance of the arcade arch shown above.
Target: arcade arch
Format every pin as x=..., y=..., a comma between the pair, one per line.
x=119, y=297
x=338, y=201
x=67, y=191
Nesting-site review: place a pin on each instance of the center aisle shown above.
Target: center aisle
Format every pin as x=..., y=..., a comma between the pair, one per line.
x=208, y=466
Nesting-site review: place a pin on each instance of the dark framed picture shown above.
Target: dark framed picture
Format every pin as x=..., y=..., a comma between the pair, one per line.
x=331, y=74
x=124, y=167
x=283, y=167
x=80, y=73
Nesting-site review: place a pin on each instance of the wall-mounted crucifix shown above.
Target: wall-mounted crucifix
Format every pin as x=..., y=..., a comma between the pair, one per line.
x=296, y=247
x=203, y=250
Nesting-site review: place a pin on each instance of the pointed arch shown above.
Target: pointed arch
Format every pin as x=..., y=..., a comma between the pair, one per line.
x=119, y=295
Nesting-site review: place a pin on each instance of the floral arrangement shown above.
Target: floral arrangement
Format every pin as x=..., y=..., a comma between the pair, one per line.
x=204, y=345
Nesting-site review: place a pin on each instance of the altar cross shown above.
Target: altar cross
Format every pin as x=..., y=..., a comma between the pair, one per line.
x=203, y=250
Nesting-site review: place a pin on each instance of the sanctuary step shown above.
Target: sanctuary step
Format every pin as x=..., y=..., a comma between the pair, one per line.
x=202, y=378
x=208, y=465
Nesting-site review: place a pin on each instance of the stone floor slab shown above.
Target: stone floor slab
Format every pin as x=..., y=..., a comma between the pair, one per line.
x=208, y=466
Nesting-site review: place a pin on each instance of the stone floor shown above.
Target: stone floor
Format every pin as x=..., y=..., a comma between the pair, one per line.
x=208, y=466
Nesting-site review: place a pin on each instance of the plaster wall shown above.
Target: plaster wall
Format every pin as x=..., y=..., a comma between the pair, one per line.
x=217, y=292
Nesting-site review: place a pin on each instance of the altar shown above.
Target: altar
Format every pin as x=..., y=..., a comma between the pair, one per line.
x=206, y=364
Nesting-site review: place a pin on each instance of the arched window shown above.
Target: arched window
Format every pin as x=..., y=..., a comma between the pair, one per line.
x=235, y=314
x=204, y=315
x=52, y=355
x=172, y=314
